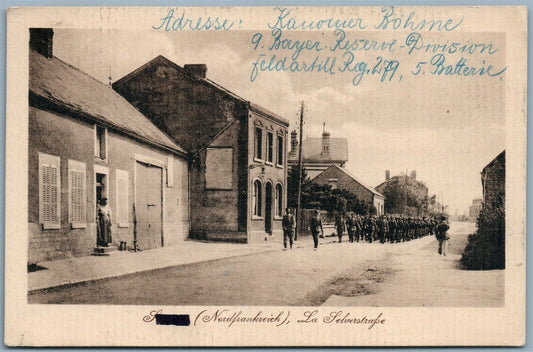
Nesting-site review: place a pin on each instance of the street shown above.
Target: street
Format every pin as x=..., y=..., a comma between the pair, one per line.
x=298, y=277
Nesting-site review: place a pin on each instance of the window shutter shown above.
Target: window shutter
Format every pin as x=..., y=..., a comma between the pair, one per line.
x=77, y=194
x=49, y=191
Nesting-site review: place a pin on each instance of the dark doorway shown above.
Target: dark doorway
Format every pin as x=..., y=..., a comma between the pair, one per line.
x=268, y=208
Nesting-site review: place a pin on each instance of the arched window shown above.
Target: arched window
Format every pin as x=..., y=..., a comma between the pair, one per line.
x=279, y=200
x=257, y=198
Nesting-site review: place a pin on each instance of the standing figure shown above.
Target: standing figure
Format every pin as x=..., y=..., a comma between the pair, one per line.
x=103, y=228
x=316, y=227
x=442, y=236
x=350, y=227
x=340, y=225
x=288, y=223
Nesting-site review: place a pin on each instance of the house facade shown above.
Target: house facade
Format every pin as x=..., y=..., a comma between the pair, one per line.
x=86, y=142
x=493, y=181
x=238, y=164
x=338, y=177
x=318, y=154
x=474, y=209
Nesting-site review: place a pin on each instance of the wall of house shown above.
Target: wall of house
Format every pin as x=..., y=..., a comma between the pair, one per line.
x=123, y=153
x=379, y=203
x=220, y=213
x=266, y=173
x=345, y=182
x=494, y=182
x=188, y=109
x=70, y=138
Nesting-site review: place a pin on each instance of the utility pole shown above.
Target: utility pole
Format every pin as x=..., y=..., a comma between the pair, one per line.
x=405, y=193
x=299, y=171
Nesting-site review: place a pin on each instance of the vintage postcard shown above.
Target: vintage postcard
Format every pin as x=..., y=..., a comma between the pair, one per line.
x=266, y=176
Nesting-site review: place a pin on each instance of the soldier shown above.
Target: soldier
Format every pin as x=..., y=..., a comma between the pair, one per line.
x=381, y=229
x=288, y=224
x=369, y=228
x=340, y=225
x=350, y=227
x=316, y=227
x=358, y=228
x=442, y=236
x=392, y=229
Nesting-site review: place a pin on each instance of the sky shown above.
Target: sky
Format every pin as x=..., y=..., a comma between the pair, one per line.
x=445, y=128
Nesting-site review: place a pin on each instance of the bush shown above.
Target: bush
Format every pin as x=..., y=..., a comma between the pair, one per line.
x=486, y=248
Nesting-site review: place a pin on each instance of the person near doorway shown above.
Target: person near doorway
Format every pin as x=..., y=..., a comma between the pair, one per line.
x=288, y=223
x=442, y=236
x=316, y=227
x=103, y=224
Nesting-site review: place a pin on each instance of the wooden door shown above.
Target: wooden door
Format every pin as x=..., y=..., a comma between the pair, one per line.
x=148, y=206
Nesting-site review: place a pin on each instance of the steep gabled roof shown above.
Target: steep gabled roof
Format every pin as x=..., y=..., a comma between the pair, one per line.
x=65, y=86
x=500, y=156
x=312, y=148
x=353, y=177
x=161, y=60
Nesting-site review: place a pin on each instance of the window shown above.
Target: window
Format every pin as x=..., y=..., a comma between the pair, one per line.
x=49, y=191
x=279, y=201
x=122, y=198
x=100, y=145
x=270, y=147
x=77, y=212
x=280, y=151
x=258, y=143
x=257, y=198
x=333, y=183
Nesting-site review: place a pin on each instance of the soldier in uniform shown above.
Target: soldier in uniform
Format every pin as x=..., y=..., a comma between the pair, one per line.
x=392, y=229
x=316, y=227
x=350, y=227
x=288, y=224
x=442, y=236
x=381, y=229
x=340, y=225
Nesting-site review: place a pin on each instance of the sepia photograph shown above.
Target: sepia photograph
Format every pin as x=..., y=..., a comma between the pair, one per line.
x=333, y=167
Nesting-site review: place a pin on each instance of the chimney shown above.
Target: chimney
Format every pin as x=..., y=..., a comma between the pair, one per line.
x=413, y=174
x=41, y=40
x=294, y=143
x=326, y=143
x=387, y=175
x=196, y=70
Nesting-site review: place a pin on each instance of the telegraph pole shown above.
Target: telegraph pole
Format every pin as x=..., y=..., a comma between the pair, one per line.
x=405, y=193
x=299, y=172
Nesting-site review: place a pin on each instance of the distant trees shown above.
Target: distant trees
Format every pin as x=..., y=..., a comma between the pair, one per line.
x=323, y=196
x=401, y=200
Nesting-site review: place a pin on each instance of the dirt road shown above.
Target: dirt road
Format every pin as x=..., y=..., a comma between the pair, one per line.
x=400, y=274
x=424, y=278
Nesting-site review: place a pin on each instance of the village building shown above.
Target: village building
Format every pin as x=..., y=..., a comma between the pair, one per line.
x=474, y=209
x=493, y=182
x=339, y=178
x=238, y=164
x=86, y=142
x=318, y=154
x=412, y=185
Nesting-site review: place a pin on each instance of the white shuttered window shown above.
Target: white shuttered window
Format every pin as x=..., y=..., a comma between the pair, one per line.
x=122, y=198
x=49, y=191
x=77, y=194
